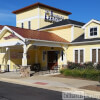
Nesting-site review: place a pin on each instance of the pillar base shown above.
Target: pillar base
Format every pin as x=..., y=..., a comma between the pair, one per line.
x=25, y=71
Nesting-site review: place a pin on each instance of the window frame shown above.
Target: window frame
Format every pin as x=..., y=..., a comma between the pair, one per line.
x=79, y=49
x=97, y=48
x=43, y=56
x=93, y=28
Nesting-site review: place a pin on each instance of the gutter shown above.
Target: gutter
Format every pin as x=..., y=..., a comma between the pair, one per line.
x=46, y=41
x=85, y=42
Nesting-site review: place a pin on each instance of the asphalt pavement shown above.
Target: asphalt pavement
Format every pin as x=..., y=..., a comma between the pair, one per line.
x=9, y=91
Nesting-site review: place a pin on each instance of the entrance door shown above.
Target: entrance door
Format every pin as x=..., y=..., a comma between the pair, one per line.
x=52, y=59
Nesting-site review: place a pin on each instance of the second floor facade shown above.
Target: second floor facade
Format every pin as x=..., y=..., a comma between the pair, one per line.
x=39, y=15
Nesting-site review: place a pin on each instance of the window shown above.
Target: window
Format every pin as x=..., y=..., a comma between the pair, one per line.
x=96, y=55
x=79, y=56
x=62, y=55
x=29, y=24
x=93, y=31
x=43, y=55
x=76, y=56
x=2, y=50
x=22, y=25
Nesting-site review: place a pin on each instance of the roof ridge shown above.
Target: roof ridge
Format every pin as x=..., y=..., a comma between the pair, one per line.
x=41, y=4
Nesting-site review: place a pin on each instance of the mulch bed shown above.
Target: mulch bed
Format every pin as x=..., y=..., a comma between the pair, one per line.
x=91, y=87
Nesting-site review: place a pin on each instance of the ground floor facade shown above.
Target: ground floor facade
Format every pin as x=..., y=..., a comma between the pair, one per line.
x=17, y=51
x=48, y=57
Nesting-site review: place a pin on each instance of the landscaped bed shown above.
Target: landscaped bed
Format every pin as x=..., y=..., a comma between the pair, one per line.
x=82, y=73
x=85, y=71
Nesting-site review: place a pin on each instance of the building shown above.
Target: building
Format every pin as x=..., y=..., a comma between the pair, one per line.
x=45, y=35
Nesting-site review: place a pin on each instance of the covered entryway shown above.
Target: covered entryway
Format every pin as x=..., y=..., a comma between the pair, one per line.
x=25, y=48
x=52, y=59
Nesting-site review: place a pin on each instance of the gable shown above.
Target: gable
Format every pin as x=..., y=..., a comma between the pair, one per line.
x=9, y=39
x=87, y=30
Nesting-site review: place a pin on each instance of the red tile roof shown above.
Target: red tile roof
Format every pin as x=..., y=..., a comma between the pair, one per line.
x=1, y=26
x=42, y=5
x=40, y=35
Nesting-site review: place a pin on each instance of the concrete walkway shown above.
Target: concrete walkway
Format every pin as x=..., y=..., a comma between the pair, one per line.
x=49, y=80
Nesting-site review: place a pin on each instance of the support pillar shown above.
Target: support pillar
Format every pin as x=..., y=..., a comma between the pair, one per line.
x=24, y=59
x=65, y=54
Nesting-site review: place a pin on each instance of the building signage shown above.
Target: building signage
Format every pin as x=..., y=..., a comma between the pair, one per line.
x=10, y=37
x=51, y=17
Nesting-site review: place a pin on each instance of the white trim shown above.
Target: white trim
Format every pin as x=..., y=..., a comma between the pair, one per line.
x=37, y=40
x=9, y=60
x=72, y=33
x=96, y=53
x=30, y=18
x=7, y=28
x=47, y=44
x=85, y=33
x=5, y=44
x=85, y=42
x=79, y=54
x=93, y=20
x=95, y=35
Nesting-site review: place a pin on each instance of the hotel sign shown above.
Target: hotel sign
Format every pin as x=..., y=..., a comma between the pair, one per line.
x=51, y=17
x=10, y=37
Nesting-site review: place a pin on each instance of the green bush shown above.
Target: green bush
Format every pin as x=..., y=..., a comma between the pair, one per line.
x=98, y=66
x=91, y=74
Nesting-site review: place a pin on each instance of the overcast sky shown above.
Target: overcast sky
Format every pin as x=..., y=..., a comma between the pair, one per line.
x=82, y=10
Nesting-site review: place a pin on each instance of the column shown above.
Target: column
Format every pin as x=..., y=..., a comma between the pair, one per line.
x=65, y=54
x=24, y=59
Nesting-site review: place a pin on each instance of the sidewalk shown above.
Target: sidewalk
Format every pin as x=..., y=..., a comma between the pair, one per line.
x=53, y=83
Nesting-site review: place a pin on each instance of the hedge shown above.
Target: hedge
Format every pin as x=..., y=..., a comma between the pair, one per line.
x=91, y=74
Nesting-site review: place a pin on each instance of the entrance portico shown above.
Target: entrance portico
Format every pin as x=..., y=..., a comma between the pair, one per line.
x=31, y=50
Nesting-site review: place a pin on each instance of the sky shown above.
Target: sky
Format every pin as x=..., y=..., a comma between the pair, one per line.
x=82, y=10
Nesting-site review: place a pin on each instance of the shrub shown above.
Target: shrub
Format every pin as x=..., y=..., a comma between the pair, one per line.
x=72, y=65
x=87, y=65
x=91, y=74
x=98, y=66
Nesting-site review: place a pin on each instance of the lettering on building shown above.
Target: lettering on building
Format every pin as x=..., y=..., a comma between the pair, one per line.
x=51, y=17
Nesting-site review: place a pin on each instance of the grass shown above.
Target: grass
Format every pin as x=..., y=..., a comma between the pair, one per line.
x=91, y=74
